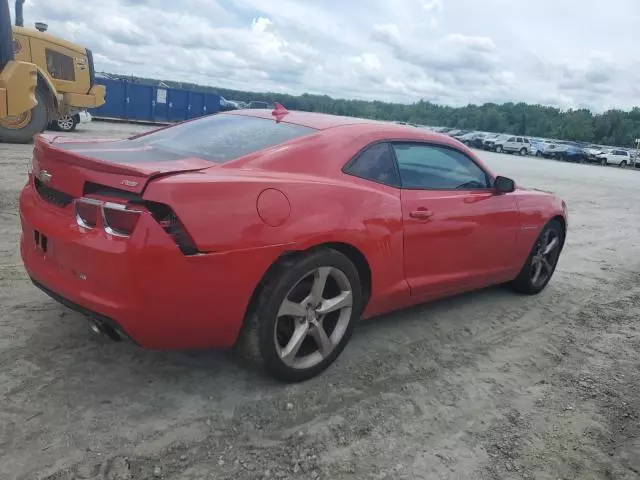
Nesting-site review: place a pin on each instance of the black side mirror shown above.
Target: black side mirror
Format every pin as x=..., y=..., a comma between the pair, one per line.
x=503, y=185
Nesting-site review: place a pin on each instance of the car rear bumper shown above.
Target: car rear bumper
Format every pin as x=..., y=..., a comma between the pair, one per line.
x=143, y=286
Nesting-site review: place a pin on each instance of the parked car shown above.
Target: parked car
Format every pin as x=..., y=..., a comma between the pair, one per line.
x=512, y=144
x=68, y=123
x=538, y=147
x=227, y=105
x=258, y=104
x=490, y=140
x=460, y=134
x=231, y=230
x=554, y=150
x=572, y=153
x=592, y=152
x=615, y=157
x=474, y=139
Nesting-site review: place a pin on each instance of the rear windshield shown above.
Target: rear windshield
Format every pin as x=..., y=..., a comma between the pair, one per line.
x=220, y=138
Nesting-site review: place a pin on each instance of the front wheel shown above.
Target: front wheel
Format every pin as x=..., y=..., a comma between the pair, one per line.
x=499, y=149
x=304, y=316
x=523, y=152
x=623, y=164
x=542, y=260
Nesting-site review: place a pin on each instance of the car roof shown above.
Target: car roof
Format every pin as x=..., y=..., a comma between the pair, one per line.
x=351, y=126
x=318, y=121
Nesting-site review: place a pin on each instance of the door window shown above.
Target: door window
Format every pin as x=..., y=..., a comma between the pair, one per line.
x=430, y=167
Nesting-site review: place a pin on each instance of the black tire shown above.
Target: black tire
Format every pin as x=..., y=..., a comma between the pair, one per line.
x=603, y=162
x=523, y=152
x=524, y=282
x=538, y=153
x=499, y=149
x=623, y=164
x=37, y=124
x=257, y=342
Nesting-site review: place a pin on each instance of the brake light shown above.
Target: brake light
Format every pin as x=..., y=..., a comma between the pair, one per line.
x=170, y=223
x=118, y=219
x=87, y=213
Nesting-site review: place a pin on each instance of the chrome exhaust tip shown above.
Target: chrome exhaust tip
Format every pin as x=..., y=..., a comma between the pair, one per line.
x=95, y=327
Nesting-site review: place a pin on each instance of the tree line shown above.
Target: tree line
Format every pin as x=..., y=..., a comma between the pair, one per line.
x=614, y=127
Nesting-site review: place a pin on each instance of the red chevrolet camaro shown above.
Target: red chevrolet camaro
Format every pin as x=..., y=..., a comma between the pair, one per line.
x=274, y=231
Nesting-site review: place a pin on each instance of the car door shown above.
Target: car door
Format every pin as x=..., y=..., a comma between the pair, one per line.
x=510, y=144
x=458, y=233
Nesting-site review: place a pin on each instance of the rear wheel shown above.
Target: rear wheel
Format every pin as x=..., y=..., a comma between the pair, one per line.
x=538, y=153
x=21, y=128
x=304, y=316
x=541, y=263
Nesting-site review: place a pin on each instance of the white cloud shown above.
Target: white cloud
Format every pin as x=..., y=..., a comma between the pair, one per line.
x=433, y=5
x=566, y=53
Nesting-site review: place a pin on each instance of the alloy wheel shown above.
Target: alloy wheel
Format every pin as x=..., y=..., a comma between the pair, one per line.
x=65, y=123
x=545, y=257
x=313, y=317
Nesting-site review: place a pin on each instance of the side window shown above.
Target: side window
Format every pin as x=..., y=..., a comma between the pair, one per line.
x=431, y=167
x=519, y=140
x=60, y=66
x=526, y=140
x=512, y=139
x=376, y=163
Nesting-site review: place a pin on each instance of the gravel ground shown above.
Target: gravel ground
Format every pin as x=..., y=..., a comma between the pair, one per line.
x=487, y=385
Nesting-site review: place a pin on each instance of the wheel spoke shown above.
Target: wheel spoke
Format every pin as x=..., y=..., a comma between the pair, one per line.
x=291, y=309
x=325, y=345
x=289, y=352
x=551, y=246
x=544, y=241
x=544, y=263
x=319, y=282
x=345, y=299
x=537, y=266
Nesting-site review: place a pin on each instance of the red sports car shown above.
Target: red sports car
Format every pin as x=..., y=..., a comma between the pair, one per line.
x=274, y=231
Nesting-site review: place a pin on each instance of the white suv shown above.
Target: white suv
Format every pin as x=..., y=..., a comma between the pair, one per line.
x=615, y=157
x=520, y=145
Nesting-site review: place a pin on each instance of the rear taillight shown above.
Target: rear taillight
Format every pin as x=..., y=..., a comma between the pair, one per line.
x=115, y=219
x=118, y=219
x=87, y=212
x=171, y=224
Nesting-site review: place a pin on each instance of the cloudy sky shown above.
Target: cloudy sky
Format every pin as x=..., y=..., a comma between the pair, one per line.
x=567, y=53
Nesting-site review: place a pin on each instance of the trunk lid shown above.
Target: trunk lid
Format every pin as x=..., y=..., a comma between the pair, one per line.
x=68, y=164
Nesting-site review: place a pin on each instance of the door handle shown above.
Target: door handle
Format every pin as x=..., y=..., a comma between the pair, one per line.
x=421, y=213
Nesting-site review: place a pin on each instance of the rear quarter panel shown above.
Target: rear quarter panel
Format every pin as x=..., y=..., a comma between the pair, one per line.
x=219, y=209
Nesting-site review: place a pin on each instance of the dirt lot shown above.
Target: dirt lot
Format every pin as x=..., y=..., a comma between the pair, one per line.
x=487, y=385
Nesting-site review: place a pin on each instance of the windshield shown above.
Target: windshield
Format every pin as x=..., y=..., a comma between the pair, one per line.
x=220, y=138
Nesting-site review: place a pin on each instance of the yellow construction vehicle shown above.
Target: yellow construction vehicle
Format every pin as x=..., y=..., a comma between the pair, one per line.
x=42, y=78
